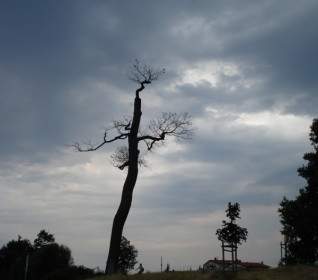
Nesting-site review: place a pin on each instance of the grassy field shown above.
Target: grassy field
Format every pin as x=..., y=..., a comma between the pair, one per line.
x=290, y=273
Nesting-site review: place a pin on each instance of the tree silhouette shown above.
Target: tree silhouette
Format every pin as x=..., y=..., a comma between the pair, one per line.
x=44, y=260
x=231, y=234
x=127, y=256
x=12, y=258
x=43, y=238
x=49, y=258
x=299, y=217
x=169, y=124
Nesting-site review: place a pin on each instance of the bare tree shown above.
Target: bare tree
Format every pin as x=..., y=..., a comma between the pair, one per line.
x=169, y=124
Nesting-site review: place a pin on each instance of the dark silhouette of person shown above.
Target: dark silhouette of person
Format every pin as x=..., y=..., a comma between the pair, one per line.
x=140, y=269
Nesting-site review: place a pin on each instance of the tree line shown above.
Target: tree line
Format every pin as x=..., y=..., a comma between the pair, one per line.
x=299, y=216
x=45, y=259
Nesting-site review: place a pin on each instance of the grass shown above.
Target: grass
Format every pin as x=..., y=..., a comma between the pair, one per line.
x=285, y=273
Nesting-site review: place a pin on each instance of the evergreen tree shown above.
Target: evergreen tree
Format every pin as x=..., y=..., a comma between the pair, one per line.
x=230, y=232
x=299, y=217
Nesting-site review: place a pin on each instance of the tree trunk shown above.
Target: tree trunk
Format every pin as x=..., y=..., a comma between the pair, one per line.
x=128, y=188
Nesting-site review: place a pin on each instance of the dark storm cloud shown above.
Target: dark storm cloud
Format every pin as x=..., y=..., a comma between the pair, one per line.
x=50, y=50
x=278, y=41
x=46, y=77
x=287, y=52
x=268, y=38
x=35, y=74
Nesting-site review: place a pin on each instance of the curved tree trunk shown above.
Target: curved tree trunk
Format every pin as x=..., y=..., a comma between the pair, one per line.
x=128, y=188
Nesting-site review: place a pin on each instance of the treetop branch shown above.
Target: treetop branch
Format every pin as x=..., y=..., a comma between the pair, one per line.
x=144, y=74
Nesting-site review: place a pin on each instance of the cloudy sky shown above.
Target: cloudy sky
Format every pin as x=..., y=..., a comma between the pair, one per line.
x=245, y=70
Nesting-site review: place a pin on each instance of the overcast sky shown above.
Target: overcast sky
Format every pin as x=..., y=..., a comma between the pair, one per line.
x=245, y=70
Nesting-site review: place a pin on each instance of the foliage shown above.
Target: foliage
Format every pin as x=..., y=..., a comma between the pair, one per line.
x=127, y=257
x=299, y=217
x=12, y=258
x=46, y=260
x=231, y=232
x=43, y=238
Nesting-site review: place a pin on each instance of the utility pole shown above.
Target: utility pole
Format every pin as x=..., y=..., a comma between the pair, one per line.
x=26, y=267
x=161, y=264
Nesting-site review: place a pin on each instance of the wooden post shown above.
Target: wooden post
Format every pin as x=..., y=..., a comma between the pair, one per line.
x=232, y=255
x=223, y=260
x=231, y=248
x=26, y=267
x=235, y=257
x=285, y=246
x=161, y=264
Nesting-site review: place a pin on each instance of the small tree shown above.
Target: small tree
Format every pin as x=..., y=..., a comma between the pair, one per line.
x=299, y=217
x=231, y=234
x=169, y=124
x=230, y=231
x=127, y=256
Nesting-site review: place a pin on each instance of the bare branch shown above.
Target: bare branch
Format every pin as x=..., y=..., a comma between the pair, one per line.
x=118, y=125
x=144, y=74
x=169, y=124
